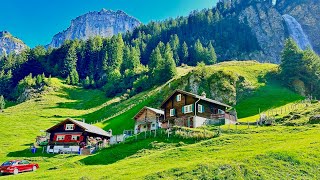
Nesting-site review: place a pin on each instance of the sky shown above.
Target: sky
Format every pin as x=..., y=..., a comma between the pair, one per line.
x=36, y=21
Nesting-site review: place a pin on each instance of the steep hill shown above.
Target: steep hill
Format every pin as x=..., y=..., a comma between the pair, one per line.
x=104, y=23
x=246, y=153
x=10, y=44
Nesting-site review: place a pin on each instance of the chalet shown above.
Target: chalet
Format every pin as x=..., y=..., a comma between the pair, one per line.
x=182, y=108
x=72, y=136
x=148, y=119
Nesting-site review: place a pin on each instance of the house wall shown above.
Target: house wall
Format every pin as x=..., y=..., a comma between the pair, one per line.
x=181, y=118
x=61, y=130
x=58, y=148
x=146, y=126
x=172, y=103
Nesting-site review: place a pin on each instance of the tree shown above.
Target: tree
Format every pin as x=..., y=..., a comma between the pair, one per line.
x=86, y=82
x=175, y=46
x=291, y=63
x=184, y=53
x=170, y=69
x=211, y=55
x=70, y=62
x=2, y=103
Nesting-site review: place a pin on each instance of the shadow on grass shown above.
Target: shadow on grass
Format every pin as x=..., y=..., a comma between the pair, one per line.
x=27, y=153
x=83, y=99
x=270, y=96
x=122, y=151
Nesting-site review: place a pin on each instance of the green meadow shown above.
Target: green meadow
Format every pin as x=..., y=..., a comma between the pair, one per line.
x=288, y=150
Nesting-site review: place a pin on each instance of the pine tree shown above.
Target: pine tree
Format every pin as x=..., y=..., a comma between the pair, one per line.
x=184, y=53
x=2, y=103
x=290, y=61
x=212, y=57
x=86, y=82
x=175, y=46
x=169, y=70
x=70, y=62
x=68, y=80
x=39, y=80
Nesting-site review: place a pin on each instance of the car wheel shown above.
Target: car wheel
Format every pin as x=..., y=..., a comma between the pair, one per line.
x=34, y=168
x=15, y=171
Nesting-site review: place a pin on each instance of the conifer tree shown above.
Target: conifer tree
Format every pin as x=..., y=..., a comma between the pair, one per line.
x=2, y=103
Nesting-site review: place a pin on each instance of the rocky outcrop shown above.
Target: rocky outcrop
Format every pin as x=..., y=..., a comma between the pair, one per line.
x=105, y=23
x=266, y=24
x=10, y=44
x=306, y=12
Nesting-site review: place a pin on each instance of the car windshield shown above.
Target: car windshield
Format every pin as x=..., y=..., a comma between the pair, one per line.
x=8, y=163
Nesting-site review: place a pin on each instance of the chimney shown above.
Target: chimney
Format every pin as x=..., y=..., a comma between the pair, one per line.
x=203, y=94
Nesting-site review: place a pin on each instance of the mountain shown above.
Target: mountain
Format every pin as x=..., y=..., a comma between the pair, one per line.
x=271, y=24
x=104, y=23
x=10, y=44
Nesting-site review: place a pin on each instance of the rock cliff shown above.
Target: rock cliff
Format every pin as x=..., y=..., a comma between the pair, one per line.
x=10, y=44
x=104, y=23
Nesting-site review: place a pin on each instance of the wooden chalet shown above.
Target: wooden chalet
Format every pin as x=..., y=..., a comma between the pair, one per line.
x=186, y=109
x=148, y=119
x=72, y=136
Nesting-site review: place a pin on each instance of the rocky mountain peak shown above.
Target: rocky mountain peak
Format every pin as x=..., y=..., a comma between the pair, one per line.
x=10, y=44
x=104, y=23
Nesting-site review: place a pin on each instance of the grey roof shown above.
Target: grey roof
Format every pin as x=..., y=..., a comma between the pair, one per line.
x=87, y=127
x=90, y=128
x=198, y=97
x=158, y=111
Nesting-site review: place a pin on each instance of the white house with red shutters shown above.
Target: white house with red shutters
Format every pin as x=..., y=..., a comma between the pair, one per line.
x=71, y=136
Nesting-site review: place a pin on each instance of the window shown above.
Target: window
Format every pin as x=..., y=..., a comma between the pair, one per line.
x=153, y=125
x=75, y=138
x=179, y=97
x=187, y=108
x=200, y=108
x=144, y=126
x=220, y=111
x=60, y=137
x=69, y=127
x=172, y=112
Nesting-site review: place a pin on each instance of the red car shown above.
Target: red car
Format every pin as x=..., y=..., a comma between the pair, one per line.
x=17, y=166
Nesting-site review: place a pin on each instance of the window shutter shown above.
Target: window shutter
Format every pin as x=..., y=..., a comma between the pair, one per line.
x=192, y=107
x=182, y=109
x=203, y=108
x=81, y=138
x=55, y=138
x=174, y=111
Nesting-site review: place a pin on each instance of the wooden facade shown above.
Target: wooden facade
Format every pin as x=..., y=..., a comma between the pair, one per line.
x=148, y=119
x=73, y=134
x=201, y=110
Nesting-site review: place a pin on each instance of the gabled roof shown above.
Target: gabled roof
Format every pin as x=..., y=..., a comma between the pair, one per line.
x=157, y=111
x=195, y=96
x=86, y=127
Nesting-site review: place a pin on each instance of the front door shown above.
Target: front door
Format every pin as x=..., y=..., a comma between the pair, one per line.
x=190, y=122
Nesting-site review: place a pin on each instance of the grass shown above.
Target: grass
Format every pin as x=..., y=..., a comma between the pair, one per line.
x=278, y=152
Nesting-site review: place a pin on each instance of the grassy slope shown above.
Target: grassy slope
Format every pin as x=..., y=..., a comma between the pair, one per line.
x=21, y=123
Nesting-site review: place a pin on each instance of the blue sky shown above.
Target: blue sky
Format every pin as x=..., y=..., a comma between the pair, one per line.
x=37, y=21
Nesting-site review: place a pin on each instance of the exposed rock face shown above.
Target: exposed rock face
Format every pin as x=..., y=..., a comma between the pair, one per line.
x=105, y=23
x=274, y=22
x=267, y=25
x=10, y=44
x=306, y=12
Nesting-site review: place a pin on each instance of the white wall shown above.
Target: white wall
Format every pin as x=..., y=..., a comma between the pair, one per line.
x=199, y=121
x=58, y=148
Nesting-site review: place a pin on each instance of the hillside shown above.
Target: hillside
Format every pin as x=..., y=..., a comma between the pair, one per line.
x=248, y=153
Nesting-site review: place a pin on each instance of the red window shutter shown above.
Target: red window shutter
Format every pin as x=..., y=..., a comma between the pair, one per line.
x=81, y=138
x=55, y=138
x=64, y=126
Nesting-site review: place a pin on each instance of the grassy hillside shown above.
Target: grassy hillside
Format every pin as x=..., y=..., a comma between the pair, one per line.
x=245, y=153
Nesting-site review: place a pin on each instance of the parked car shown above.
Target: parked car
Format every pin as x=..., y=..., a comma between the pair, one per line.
x=17, y=166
